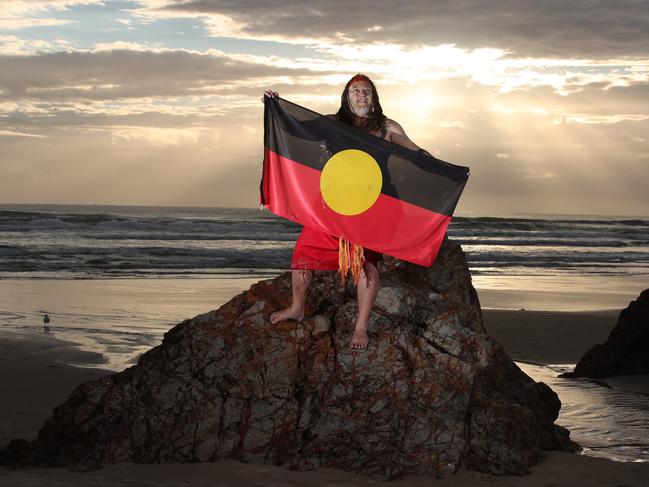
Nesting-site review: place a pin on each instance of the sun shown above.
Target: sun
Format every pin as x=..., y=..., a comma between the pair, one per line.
x=420, y=103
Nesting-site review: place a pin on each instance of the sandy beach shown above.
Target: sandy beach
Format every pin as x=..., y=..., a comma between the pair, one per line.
x=548, y=337
x=35, y=377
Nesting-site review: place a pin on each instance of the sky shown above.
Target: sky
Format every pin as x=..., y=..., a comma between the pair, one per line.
x=157, y=102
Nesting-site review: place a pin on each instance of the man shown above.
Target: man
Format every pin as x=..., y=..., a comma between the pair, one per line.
x=315, y=250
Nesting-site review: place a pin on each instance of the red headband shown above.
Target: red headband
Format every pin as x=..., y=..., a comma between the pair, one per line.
x=359, y=77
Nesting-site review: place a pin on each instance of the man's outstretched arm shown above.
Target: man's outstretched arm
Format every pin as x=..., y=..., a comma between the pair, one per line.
x=398, y=136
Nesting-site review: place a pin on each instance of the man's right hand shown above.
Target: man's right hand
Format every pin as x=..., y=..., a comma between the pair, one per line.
x=269, y=94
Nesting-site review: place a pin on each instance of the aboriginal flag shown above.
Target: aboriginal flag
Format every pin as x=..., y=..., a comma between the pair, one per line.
x=333, y=177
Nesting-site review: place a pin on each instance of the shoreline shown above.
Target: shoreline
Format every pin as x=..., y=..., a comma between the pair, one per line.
x=123, y=317
x=560, y=337
x=544, y=300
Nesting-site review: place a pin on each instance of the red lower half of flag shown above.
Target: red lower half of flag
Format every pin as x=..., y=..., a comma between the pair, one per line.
x=391, y=226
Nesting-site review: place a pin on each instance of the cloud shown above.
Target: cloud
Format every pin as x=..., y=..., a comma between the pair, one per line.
x=139, y=85
x=129, y=73
x=136, y=165
x=542, y=28
x=536, y=174
x=10, y=8
x=595, y=101
x=10, y=133
x=21, y=23
x=509, y=44
x=12, y=45
x=128, y=46
x=156, y=135
x=20, y=14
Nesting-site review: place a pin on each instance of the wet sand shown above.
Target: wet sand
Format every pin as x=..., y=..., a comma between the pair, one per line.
x=549, y=337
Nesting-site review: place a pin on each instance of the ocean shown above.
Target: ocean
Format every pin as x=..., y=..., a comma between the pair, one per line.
x=97, y=242
x=115, y=278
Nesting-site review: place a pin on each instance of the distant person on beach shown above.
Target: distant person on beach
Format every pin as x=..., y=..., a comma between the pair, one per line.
x=316, y=250
x=46, y=323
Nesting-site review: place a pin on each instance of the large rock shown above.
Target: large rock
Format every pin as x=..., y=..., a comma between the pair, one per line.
x=626, y=350
x=432, y=392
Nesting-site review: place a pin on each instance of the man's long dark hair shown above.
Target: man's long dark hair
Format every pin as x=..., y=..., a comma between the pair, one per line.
x=376, y=119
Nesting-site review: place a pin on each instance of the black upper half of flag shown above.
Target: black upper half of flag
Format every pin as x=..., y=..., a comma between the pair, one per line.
x=311, y=139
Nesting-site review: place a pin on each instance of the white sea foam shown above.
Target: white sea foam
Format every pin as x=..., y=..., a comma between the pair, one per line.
x=38, y=241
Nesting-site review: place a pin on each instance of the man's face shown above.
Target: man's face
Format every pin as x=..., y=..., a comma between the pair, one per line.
x=360, y=98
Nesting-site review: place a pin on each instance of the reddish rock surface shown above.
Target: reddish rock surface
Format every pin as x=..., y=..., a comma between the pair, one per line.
x=432, y=393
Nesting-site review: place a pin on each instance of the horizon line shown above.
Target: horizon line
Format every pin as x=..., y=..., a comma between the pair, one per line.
x=467, y=214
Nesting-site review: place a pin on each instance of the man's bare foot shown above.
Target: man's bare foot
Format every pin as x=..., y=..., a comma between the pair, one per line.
x=287, y=314
x=360, y=340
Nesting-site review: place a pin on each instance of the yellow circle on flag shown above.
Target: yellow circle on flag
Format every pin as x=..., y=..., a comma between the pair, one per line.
x=351, y=182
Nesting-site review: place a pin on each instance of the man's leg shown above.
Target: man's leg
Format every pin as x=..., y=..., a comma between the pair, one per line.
x=367, y=289
x=300, y=280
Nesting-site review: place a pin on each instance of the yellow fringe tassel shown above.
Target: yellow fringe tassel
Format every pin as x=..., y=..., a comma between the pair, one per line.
x=350, y=260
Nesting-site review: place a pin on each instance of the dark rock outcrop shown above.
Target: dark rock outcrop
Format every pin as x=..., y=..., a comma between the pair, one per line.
x=625, y=351
x=432, y=392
